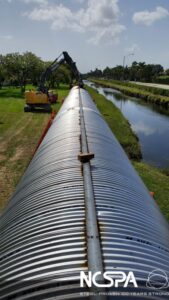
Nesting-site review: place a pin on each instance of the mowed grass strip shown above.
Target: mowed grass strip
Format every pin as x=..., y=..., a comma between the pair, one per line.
x=155, y=179
x=19, y=135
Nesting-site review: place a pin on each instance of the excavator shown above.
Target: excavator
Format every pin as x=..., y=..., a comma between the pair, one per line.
x=42, y=98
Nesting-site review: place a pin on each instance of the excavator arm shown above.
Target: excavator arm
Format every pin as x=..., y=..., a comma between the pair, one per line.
x=63, y=58
x=42, y=99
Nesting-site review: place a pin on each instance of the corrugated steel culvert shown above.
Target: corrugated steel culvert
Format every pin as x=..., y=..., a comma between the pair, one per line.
x=69, y=215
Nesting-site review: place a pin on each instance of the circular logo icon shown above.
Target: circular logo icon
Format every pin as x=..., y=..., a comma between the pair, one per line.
x=157, y=279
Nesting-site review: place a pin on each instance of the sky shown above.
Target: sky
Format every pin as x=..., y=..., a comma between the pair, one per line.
x=96, y=33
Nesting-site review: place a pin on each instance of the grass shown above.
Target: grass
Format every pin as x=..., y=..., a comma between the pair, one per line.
x=148, y=94
x=19, y=135
x=155, y=179
x=62, y=92
x=118, y=124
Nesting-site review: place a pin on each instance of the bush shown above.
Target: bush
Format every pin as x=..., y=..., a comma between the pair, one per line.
x=162, y=80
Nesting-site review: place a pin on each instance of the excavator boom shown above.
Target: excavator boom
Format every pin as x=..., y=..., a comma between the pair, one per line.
x=41, y=98
x=65, y=58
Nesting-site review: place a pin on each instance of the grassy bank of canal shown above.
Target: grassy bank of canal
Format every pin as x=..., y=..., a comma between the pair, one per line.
x=118, y=124
x=155, y=179
x=148, y=94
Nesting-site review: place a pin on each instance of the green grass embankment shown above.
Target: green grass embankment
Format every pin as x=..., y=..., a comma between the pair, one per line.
x=155, y=179
x=148, y=94
x=118, y=124
x=19, y=135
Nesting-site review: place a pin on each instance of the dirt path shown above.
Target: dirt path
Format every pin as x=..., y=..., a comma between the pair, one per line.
x=156, y=85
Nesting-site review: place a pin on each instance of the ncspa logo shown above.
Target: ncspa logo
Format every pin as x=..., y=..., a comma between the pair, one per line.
x=157, y=279
x=113, y=279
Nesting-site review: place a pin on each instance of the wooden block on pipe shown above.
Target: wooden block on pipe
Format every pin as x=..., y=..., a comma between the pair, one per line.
x=85, y=157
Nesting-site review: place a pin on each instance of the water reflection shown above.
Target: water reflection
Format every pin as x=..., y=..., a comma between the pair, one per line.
x=150, y=122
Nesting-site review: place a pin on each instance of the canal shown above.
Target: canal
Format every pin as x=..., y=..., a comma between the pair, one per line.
x=150, y=123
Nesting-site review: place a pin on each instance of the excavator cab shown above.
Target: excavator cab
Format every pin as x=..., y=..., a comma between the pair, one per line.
x=37, y=100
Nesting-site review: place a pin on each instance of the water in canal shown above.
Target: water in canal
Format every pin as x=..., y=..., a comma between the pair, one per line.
x=150, y=122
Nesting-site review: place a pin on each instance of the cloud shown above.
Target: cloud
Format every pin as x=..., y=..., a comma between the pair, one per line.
x=133, y=48
x=6, y=37
x=99, y=18
x=149, y=17
x=42, y=2
x=140, y=127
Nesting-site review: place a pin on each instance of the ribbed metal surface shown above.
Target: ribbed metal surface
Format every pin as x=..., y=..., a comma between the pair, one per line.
x=43, y=229
x=134, y=234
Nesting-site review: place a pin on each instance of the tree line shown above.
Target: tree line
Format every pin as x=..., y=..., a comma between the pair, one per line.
x=138, y=71
x=20, y=69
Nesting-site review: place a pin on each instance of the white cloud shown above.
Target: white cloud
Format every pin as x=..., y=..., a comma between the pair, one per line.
x=149, y=17
x=35, y=1
x=99, y=18
x=133, y=48
x=140, y=127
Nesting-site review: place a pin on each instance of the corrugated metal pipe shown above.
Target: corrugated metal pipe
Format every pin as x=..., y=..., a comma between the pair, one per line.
x=80, y=207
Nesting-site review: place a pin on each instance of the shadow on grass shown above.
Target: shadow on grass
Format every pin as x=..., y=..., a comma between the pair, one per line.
x=38, y=111
x=14, y=92
x=62, y=87
x=11, y=93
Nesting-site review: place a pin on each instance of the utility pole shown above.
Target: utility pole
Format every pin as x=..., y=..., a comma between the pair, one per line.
x=124, y=60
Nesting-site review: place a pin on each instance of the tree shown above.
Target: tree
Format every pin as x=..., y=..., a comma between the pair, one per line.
x=140, y=71
x=22, y=68
x=62, y=74
x=118, y=72
x=96, y=73
x=32, y=68
x=12, y=66
x=167, y=72
x=107, y=72
x=2, y=71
